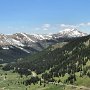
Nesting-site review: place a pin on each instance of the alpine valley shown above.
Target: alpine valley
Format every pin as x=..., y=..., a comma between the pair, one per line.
x=58, y=61
x=20, y=45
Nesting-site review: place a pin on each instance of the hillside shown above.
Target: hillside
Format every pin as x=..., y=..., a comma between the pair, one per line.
x=67, y=63
x=19, y=45
x=10, y=53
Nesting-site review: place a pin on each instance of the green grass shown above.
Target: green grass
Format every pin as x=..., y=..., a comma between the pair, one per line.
x=13, y=82
x=54, y=87
x=83, y=81
x=12, y=79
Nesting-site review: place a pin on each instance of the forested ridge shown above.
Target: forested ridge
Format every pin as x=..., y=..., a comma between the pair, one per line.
x=70, y=58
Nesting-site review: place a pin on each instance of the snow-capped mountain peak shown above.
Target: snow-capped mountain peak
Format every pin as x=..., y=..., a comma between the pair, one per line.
x=72, y=32
x=35, y=42
x=22, y=39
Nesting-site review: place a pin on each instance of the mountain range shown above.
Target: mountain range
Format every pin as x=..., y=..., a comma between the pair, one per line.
x=23, y=39
x=21, y=44
x=67, y=62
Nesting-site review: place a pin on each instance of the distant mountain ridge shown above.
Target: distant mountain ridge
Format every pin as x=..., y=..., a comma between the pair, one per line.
x=21, y=39
x=73, y=32
x=21, y=44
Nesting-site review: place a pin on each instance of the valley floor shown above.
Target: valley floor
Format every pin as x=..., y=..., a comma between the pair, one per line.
x=12, y=81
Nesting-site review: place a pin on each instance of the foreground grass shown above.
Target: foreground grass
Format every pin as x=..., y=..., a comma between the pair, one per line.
x=12, y=81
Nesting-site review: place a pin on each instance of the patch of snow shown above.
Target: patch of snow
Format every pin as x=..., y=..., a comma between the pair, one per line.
x=39, y=37
x=5, y=48
x=27, y=37
x=23, y=49
x=42, y=37
x=15, y=42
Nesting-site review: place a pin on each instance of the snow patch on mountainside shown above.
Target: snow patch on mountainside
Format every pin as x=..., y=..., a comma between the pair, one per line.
x=23, y=49
x=39, y=37
x=43, y=37
x=5, y=47
x=15, y=42
x=27, y=37
x=23, y=39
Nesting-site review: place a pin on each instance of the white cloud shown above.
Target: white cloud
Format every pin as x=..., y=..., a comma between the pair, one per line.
x=45, y=27
x=75, y=26
x=58, y=27
x=63, y=26
x=88, y=23
x=84, y=24
x=37, y=28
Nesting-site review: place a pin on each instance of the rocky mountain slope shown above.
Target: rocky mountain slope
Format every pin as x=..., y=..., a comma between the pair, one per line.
x=22, y=39
x=71, y=61
x=21, y=44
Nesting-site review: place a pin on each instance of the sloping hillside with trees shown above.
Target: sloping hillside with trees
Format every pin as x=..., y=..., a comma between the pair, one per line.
x=71, y=60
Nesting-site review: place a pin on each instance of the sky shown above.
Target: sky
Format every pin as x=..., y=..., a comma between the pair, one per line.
x=44, y=16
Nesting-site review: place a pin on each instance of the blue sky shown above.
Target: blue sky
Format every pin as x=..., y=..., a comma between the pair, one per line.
x=43, y=16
